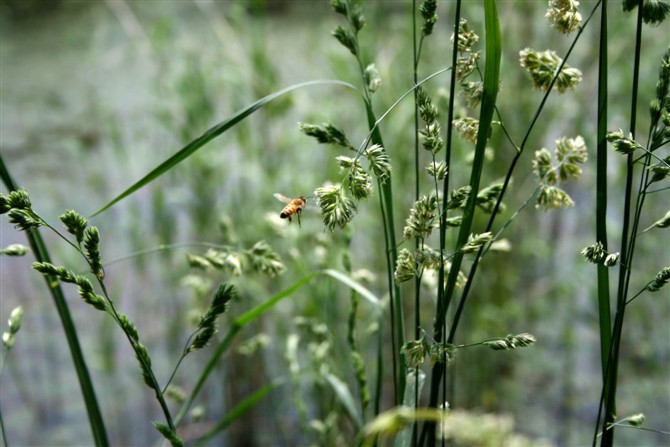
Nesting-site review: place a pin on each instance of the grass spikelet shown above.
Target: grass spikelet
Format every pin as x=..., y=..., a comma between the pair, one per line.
x=337, y=209
x=542, y=65
x=75, y=224
x=92, y=247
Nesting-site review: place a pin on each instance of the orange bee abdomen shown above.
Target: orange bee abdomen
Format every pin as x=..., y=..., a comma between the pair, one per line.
x=295, y=206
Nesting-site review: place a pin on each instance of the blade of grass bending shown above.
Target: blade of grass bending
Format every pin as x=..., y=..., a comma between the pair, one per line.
x=209, y=135
x=36, y=242
x=490, y=93
x=240, y=322
x=343, y=394
x=237, y=325
x=354, y=285
x=407, y=437
x=239, y=410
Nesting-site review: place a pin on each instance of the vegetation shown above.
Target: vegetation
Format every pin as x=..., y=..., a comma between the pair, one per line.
x=379, y=322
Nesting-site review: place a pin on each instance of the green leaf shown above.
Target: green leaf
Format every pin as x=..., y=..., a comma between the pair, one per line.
x=343, y=394
x=240, y=322
x=365, y=293
x=208, y=136
x=239, y=410
x=404, y=438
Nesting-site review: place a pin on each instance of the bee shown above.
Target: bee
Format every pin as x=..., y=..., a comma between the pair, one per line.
x=295, y=206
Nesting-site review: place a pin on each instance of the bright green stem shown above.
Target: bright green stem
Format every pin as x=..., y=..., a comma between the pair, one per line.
x=628, y=236
x=601, y=195
x=490, y=93
x=392, y=257
x=604, y=310
x=88, y=392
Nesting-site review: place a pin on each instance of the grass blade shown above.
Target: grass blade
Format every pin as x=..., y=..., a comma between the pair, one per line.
x=239, y=410
x=208, y=136
x=604, y=311
x=346, y=399
x=236, y=327
x=356, y=286
x=249, y=316
x=489, y=96
x=411, y=400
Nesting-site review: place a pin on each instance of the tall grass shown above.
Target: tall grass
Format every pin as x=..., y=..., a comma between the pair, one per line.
x=448, y=233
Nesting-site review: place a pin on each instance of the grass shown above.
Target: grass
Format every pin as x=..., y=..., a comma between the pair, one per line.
x=326, y=348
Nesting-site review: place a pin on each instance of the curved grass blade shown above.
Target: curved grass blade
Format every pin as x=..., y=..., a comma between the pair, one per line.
x=346, y=399
x=239, y=410
x=250, y=316
x=209, y=135
x=412, y=391
x=236, y=327
x=356, y=286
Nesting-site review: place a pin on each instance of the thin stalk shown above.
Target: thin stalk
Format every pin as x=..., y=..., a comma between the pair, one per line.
x=417, y=184
x=380, y=364
x=5, y=354
x=146, y=367
x=439, y=370
x=2, y=428
x=392, y=248
x=415, y=53
x=604, y=310
x=386, y=201
x=490, y=93
x=392, y=309
x=610, y=363
x=38, y=247
x=417, y=178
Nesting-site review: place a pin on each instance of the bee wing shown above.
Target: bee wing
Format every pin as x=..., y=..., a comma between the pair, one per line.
x=281, y=198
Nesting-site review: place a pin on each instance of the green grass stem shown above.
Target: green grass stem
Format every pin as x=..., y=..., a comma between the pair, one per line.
x=39, y=248
x=604, y=311
x=612, y=341
x=491, y=84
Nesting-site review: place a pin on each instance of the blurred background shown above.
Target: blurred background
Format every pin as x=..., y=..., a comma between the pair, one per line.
x=95, y=94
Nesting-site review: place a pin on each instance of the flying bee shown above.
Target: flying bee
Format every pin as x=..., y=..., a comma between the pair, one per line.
x=295, y=206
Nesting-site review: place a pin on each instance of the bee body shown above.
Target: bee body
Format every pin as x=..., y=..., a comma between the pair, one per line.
x=295, y=206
